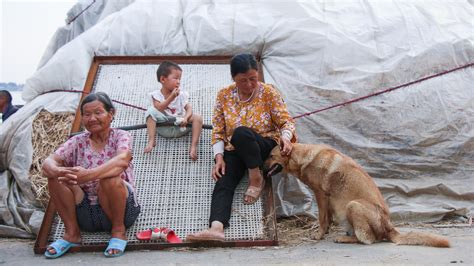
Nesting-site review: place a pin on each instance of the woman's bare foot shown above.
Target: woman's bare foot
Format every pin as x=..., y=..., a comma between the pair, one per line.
x=215, y=233
x=149, y=147
x=256, y=182
x=193, y=153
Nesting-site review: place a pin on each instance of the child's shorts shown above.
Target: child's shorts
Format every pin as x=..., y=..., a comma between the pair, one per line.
x=92, y=218
x=166, y=131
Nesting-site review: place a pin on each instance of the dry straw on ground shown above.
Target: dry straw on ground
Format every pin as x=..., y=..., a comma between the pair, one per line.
x=296, y=230
x=49, y=131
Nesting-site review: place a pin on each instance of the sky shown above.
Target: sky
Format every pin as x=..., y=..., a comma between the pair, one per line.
x=26, y=29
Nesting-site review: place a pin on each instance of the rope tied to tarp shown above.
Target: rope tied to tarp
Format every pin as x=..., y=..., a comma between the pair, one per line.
x=80, y=13
x=294, y=117
x=383, y=91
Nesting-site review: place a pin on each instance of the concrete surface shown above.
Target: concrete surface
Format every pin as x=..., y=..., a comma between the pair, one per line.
x=325, y=252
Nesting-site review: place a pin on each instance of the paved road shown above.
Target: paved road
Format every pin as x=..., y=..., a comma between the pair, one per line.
x=325, y=252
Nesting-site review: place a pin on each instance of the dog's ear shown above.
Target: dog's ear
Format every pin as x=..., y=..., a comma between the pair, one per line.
x=275, y=149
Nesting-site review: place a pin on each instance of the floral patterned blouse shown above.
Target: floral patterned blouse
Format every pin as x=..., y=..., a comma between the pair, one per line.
x=77, y=151
x=265, y=113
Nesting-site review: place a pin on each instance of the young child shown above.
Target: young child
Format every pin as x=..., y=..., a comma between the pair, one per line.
x=171, y=104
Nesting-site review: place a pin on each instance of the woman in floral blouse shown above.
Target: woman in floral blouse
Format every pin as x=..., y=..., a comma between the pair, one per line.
x=91, y=181
x=249, y=120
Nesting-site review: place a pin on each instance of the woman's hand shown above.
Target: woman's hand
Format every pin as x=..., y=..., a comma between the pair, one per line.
x=53, y=167
x=285, y=146
x=67, y=176
x=82, y=175
x=219, y=167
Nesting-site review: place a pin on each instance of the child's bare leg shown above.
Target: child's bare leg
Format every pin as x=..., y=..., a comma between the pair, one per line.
x=196, y=121
x=151, y=130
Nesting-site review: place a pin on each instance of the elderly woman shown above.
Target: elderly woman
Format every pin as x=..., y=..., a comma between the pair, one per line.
x=249, y=120
x=91, y=181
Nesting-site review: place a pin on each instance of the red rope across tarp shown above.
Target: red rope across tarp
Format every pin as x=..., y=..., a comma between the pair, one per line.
x=115, y=101
x=325, y=108
x=384, y=91
x=80, y=13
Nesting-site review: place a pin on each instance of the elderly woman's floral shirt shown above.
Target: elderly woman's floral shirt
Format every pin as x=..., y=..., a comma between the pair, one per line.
x=265, y=113
x=77, y=151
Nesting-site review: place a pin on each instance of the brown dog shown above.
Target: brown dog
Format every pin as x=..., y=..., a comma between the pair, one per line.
x=346, y=194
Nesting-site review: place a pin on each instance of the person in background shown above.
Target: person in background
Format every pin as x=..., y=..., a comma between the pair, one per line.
x=249, y=120
x=6, y=106
x=91, y=181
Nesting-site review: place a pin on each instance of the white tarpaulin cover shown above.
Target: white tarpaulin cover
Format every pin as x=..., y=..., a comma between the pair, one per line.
x=417, y=142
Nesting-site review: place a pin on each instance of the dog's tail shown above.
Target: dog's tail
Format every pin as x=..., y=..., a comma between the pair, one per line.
x=416, y=238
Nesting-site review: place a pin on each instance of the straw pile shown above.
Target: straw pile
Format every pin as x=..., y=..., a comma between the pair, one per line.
x=49, y=131
x=296, y=230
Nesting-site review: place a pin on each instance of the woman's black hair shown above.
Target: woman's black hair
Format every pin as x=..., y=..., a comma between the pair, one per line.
x=101, y=97
x=242, y=63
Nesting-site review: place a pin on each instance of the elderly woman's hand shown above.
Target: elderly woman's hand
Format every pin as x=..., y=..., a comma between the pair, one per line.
x=67, y=176
x=285, y=146
x=219, y=167
x=82, y=174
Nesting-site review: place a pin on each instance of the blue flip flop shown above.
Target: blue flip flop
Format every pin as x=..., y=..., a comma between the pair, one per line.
x=118, y=244
x=61, y=246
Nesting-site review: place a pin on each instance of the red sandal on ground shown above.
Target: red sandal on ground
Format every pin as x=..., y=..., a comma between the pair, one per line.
x=157, y=233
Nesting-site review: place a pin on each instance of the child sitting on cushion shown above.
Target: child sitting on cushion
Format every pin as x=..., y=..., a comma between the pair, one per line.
x=171, y=104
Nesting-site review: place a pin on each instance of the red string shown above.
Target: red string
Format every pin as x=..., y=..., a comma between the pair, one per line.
x=115, y=101
x=80, y=13
x=325, y=108
x=382, y=91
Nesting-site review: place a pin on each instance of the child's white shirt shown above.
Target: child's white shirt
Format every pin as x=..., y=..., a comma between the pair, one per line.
x=176, y=107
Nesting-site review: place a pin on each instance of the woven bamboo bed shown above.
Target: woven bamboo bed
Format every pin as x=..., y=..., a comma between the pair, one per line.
x=173, y=191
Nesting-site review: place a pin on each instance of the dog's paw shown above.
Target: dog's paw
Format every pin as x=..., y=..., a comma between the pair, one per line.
x=346, y=239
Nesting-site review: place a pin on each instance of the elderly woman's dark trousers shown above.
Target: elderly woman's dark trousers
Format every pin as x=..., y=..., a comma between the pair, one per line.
x=251, y=150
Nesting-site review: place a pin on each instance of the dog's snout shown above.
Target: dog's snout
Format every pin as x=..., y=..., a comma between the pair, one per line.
x=273, y=170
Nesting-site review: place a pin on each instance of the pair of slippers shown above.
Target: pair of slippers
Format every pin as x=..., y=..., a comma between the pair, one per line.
x=61, y=246
x=169, y=236
x=159, y=233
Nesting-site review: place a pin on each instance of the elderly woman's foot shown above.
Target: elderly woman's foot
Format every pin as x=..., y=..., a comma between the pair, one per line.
x=73, y=238
x=215, y=233
x=120, y=234
x=205, y=235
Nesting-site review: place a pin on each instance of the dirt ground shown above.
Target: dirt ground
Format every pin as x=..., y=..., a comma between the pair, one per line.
x=296, y=248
